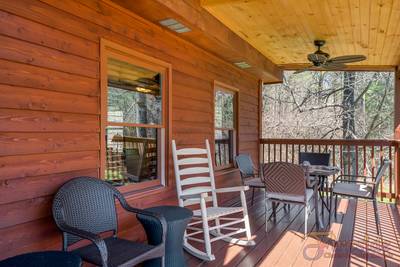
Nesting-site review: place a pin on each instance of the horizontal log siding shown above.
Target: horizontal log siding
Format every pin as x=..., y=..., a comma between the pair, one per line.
x=49, y=108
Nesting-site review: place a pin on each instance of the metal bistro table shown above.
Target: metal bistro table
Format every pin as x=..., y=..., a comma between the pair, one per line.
x=322, y=172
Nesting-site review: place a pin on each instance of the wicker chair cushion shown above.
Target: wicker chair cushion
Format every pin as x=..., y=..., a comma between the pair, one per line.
x=121, y=252
x=291, y=198
x=353, y=189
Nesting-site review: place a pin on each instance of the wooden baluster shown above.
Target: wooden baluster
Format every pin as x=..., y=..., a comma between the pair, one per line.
x=292, y=153
x=274, y=152
x=280, y=152
x=365, y=160
x=381, y=161
x=219, y=154
x=262, y=153
x=286, y=153
x=390, y=173
x=373, y=161
x=356, y=150
x=269, y=152
x=341, y=159
x=334, y=158
x=348, y=160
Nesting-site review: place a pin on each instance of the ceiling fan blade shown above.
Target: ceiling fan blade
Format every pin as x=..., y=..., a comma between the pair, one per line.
x=348, y=59
x=334, y=66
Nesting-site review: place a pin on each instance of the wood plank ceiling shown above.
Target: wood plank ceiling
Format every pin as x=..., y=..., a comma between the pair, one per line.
x=284, y=30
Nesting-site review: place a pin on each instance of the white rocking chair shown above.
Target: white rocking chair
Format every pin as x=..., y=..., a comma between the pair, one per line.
x=195, y=185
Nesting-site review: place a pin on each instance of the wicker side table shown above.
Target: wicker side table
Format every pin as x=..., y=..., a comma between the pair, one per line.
x=177, y=219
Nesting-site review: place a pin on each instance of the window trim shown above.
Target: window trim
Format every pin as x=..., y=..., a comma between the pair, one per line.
x=123, y=53
x=220, y=86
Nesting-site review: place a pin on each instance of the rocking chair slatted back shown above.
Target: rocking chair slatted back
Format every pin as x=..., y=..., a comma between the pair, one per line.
x=194, y=173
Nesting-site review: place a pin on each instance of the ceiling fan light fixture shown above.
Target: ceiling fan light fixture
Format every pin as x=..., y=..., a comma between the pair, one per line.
x=321, y=60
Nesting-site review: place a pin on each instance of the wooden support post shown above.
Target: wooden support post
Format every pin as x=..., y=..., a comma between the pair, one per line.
x=397, y=132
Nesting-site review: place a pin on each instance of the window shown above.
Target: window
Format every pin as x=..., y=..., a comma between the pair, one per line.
x=225, y=127
x=133, y=118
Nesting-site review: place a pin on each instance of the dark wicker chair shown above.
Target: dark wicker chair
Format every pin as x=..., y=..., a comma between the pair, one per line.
x=360, y=187
x=249, y=174
x=84, y=207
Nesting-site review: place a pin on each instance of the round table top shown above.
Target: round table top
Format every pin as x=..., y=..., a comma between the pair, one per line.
x=172, y=213
x=43, y=259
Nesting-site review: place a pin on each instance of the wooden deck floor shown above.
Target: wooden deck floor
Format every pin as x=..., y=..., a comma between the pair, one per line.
x=351, y=240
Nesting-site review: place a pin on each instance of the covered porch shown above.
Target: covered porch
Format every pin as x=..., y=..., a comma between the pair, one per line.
x=195, y=71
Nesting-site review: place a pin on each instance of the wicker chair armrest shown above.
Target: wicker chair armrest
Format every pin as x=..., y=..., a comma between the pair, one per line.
x=355, y=176
x=157, y=216
x=232, y=189
x=96, y=239
x=344, y=178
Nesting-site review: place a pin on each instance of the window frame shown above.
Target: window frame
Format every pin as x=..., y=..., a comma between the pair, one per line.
x=220, y=86
x=113, y=50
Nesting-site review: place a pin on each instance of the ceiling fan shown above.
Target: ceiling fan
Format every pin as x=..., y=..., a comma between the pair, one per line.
x=322, y=61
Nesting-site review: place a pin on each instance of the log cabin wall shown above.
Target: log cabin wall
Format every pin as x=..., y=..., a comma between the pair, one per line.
x=50, y=111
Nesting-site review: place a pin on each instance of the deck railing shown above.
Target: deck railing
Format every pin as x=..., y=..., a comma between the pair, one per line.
x=356, y=157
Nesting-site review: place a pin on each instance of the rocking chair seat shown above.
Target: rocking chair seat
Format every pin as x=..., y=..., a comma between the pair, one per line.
x=215, y=212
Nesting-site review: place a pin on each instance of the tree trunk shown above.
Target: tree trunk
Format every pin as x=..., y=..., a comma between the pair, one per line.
x=142, y=113
x=348, y=121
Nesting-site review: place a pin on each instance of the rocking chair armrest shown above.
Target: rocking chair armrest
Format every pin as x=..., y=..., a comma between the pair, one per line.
x=194, y=196
x=95, y=238
x=157, y=216
x=232, y=189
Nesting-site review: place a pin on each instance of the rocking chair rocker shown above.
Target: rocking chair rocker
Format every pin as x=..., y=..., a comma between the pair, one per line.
x=196, y=185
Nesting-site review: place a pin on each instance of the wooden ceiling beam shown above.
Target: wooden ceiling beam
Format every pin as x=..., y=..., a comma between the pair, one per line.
x=349, y=67
x=206, y=32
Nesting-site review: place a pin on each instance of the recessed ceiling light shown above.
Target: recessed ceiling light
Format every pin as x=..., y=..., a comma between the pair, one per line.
x=143, y=90
x=242, y=65
x=174, y=25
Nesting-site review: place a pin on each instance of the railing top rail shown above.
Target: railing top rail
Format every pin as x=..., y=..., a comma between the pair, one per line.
x=359, y=142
